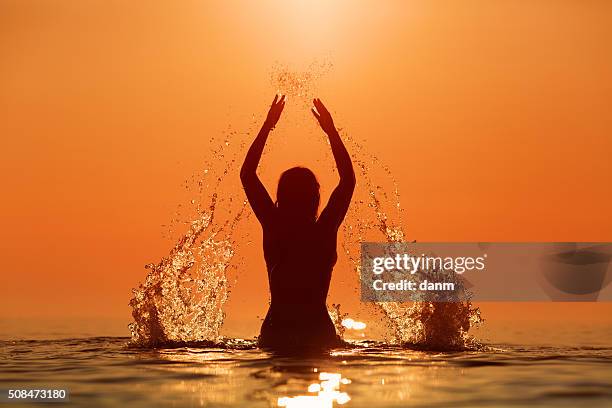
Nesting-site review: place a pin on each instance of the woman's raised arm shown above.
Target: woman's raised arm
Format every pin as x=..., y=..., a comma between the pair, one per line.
x=340, y=199
x=256, y=193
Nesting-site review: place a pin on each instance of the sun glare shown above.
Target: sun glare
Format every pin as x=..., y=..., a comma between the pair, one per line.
x=327, y=393
x=353, y=324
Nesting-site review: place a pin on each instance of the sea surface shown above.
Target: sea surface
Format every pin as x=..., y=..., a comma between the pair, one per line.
x=105, y=372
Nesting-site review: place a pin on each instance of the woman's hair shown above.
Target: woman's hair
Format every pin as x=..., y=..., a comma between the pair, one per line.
x=298, y=193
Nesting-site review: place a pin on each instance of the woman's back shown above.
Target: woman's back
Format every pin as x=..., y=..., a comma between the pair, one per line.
x=299, y=259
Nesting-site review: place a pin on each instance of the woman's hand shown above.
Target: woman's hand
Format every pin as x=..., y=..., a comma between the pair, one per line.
x=275, y=112
x=323, y=116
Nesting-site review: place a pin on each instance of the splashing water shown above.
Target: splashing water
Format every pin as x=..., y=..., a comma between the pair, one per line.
x=299, y=85
x=376, y=215
x=182, y=297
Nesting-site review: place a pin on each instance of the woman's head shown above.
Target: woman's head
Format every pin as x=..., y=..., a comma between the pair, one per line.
x=298, y=193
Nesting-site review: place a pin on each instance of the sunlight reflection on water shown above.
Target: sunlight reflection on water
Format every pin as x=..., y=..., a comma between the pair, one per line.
x=327, y=392
x=353, y=324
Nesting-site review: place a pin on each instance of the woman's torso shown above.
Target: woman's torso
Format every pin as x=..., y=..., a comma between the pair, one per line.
x=299, y=259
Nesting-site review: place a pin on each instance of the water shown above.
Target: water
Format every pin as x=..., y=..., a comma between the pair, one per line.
x=102, y=371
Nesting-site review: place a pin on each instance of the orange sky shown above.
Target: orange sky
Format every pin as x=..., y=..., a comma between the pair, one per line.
x=493, y=116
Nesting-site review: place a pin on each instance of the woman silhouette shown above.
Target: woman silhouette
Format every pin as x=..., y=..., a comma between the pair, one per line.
x=299, y=247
